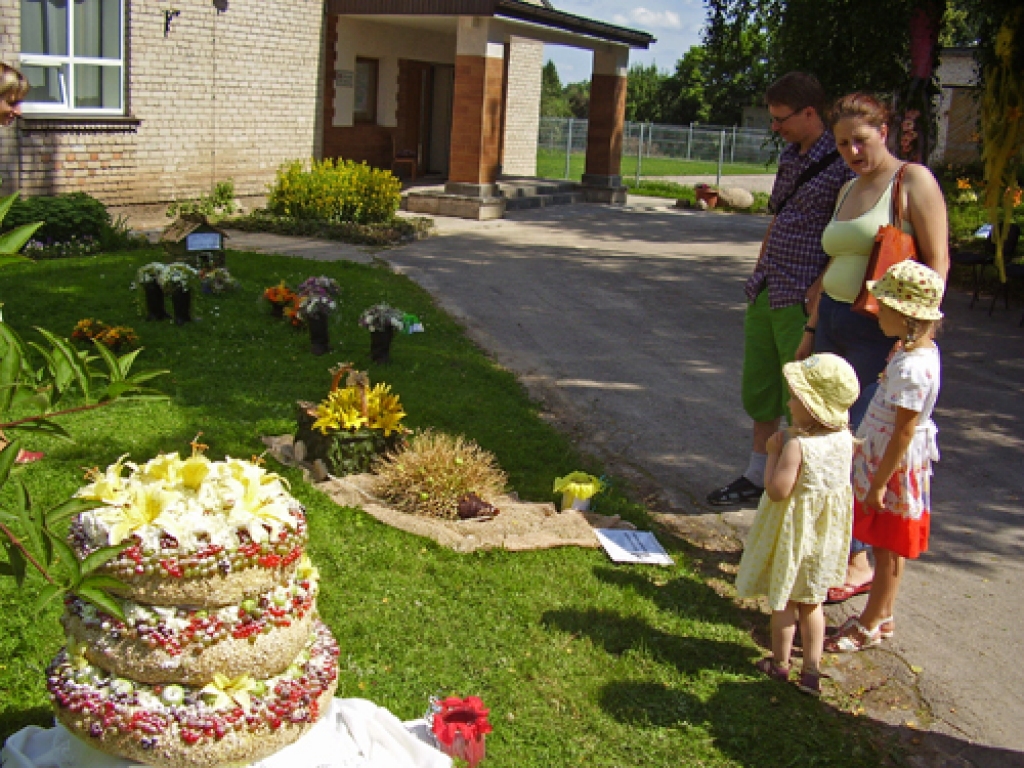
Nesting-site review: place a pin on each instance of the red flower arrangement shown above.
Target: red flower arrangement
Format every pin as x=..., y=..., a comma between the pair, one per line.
x=460, y=726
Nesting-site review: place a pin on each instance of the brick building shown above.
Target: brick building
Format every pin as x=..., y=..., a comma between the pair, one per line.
x=139, y=101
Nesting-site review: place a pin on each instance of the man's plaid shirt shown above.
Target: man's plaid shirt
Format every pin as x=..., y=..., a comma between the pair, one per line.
x=793, y=258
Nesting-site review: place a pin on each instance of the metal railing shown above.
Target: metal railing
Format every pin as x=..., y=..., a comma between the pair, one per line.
x=644, y=141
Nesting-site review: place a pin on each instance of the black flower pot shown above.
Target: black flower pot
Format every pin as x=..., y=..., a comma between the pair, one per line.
x=181, y=302
x=319, y=339
x=380, y=345
x=154, y=302
x=277, y=310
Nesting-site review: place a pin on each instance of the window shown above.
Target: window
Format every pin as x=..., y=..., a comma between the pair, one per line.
x=365, y=107
x=72, y=52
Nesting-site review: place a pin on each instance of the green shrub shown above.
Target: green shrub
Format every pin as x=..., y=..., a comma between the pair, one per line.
x=221, y=202
x=342, y=191
x=67, y=218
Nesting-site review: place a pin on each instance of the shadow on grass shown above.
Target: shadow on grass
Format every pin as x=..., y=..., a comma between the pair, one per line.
x=13, y=720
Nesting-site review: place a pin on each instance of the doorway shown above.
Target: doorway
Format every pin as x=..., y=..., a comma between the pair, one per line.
x=425, y=113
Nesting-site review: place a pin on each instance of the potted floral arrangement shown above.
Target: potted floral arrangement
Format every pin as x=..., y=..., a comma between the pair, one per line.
x=353, y=425
x=149, y=278
x=577, y=489
x=279, y=296
x=459, y=727
x=117, y=338
x=178, y=280
x=381, y=320
x=317, y=299
x=707, y=193
x=217, y=280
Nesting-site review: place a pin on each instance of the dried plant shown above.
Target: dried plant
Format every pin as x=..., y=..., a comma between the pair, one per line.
x=435, y=470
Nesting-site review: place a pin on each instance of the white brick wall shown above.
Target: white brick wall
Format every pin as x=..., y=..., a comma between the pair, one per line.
x=522, y=114
x=223, y=95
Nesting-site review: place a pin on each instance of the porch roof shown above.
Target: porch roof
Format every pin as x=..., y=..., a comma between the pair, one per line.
x=513, y=10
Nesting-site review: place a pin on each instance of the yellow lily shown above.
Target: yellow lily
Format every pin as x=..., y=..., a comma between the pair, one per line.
x=194, y=470
x=146, y=506
x=108, y=486
x=227, y=692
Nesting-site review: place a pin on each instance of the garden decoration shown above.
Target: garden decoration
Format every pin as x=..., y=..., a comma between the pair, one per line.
x=381, y=320
x=317, y=300
x=150, y=279
x=1002, y=125
x=434, y=473
x=117, y=338
x=354, y=424
x=217, y=280
x=707, y=194
x=279, y=297
x=577, y=489
x=177, y=281
x=193, y=240
x=460, y=727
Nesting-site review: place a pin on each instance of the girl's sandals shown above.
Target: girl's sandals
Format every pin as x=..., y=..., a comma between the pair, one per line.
x=854, y=636
x=773, y=670
x=810, y=683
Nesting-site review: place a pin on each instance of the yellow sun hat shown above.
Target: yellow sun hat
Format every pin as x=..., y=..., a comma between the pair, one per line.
x=826, y=385
x=912, y=289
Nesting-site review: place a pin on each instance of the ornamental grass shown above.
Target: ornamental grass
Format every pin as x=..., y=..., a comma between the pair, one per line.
x=433, y=471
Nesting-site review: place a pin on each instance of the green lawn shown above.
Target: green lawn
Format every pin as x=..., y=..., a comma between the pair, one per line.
x=583, y=663
x=551, y=165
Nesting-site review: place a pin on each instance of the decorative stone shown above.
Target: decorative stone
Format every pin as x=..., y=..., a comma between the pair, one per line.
x=735, y=197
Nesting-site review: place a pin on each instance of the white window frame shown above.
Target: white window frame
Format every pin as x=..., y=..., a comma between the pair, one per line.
x=65, y=66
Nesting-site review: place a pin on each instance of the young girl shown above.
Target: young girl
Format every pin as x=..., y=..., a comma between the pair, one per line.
x=893, y=460
x=799, y=542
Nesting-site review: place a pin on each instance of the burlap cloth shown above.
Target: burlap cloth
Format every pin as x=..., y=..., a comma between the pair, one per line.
x=520, y=526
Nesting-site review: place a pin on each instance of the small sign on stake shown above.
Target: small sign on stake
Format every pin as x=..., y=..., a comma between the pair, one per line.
x=624, y=546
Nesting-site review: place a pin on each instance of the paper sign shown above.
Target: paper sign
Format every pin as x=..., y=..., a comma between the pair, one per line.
x=625, y=546
x=202, y=241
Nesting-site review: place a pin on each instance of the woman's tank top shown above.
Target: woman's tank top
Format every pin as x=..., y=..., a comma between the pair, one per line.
x=849, y=244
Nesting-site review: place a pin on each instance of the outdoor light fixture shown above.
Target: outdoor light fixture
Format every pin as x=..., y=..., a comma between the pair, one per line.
x=169, y=16
x=221, y=5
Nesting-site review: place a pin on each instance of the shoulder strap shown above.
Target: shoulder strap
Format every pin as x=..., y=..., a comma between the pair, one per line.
x=896, y=203
x=809, y=173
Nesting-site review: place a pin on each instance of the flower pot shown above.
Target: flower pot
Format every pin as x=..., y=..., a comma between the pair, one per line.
x=154, y=302
x=380, y=345
x=708, y=195
x=319, y=339
x=181, y=302
x=277, y=310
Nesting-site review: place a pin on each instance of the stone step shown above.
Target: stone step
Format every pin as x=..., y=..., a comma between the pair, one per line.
x=533, y=187
x=543, y=201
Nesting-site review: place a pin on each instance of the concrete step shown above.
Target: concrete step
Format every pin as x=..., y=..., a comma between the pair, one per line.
x=543, y=201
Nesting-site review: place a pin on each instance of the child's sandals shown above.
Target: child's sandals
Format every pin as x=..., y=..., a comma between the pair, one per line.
x=773, y=670
x=810, y=683
x=854, y=636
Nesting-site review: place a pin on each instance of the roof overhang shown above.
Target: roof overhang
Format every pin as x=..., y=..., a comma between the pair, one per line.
x=540, y=17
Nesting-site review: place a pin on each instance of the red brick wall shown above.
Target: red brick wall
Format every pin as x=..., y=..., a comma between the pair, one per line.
x=477, y=121
x=604, y=131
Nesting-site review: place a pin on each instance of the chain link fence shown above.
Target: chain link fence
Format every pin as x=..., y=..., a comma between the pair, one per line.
x=664, y=149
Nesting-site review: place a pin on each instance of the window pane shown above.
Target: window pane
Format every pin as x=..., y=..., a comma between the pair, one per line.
x=365, y=106
x=44, y=84
x=44, y=27
x=97, y=87
x=98, y=28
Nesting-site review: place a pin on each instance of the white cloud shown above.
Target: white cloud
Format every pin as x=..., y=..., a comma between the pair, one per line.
x=651, y=19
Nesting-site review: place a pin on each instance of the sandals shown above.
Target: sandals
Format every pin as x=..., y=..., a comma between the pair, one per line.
x=773, y=670
x=810, y=683
x=845, y=592
x=736, y=492
x=853, y=637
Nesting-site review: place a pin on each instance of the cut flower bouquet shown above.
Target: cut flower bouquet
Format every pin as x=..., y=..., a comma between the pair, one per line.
x=382, y=317
x=151, y=274
x=178, y=277
x=317, y=297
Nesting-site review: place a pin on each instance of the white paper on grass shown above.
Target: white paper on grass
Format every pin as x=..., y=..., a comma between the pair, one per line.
x=625, y=546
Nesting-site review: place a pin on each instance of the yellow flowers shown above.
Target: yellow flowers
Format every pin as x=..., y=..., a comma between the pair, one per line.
x=146, y=506
x=355, y=407
x=226, y=692
x=331, y=190
x=963, y=184
x=577, y=485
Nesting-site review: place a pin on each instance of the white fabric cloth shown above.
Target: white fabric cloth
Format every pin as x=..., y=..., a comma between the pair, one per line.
x=355, y=733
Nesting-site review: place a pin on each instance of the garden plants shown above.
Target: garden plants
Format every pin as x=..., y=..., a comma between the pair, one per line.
x=381, y=320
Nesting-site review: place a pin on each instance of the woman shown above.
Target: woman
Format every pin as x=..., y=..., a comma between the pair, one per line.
x=13, y=89
x=860, y=124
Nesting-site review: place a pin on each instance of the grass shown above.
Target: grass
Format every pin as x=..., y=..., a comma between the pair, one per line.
x=581, y=662
x=551, y=165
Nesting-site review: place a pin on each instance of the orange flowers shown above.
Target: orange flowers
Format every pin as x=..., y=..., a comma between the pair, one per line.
x=279, y=294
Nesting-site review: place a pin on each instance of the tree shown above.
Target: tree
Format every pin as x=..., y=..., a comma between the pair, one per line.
x=684, y=97
x=737, y=68
x=578, y=96
x=552, y=98
x=644, y=94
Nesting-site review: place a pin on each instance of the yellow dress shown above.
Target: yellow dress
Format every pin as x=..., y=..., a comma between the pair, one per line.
x=798, y=547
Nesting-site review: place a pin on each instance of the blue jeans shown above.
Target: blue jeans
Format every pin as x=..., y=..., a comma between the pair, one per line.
x=858, y=340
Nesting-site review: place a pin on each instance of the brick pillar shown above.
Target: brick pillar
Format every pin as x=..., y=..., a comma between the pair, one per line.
x=477, y=113
x=602, y=181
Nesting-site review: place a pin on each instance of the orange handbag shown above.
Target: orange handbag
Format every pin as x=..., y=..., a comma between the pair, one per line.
x=892, y=245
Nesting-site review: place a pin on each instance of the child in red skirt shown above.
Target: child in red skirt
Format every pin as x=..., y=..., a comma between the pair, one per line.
x=892, y=464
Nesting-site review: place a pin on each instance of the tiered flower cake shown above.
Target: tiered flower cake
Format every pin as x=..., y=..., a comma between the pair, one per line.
x=220, y=659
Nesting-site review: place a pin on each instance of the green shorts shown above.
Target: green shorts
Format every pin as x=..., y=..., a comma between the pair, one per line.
x=771, y=338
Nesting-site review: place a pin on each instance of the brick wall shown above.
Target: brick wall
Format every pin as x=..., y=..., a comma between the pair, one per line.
x=604, y=133
x=223, y=95
x=522, y=121
x=477, y=120
x=10, y=20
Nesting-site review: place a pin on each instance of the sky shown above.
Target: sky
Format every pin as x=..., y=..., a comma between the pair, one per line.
x=676, y=25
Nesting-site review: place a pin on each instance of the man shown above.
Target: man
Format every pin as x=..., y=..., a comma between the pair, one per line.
x=787, y=278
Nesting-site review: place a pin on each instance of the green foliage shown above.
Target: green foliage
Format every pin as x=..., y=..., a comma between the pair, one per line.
x=11, y=242
x=72, y=216
x=220, y=202
x=393, y=232
x=335, y=191
x=553, y=102
x=578, y=97
x=687, y=99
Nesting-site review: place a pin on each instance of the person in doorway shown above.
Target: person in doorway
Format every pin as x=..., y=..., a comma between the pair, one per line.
x=860, y=123
x=786, y=280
